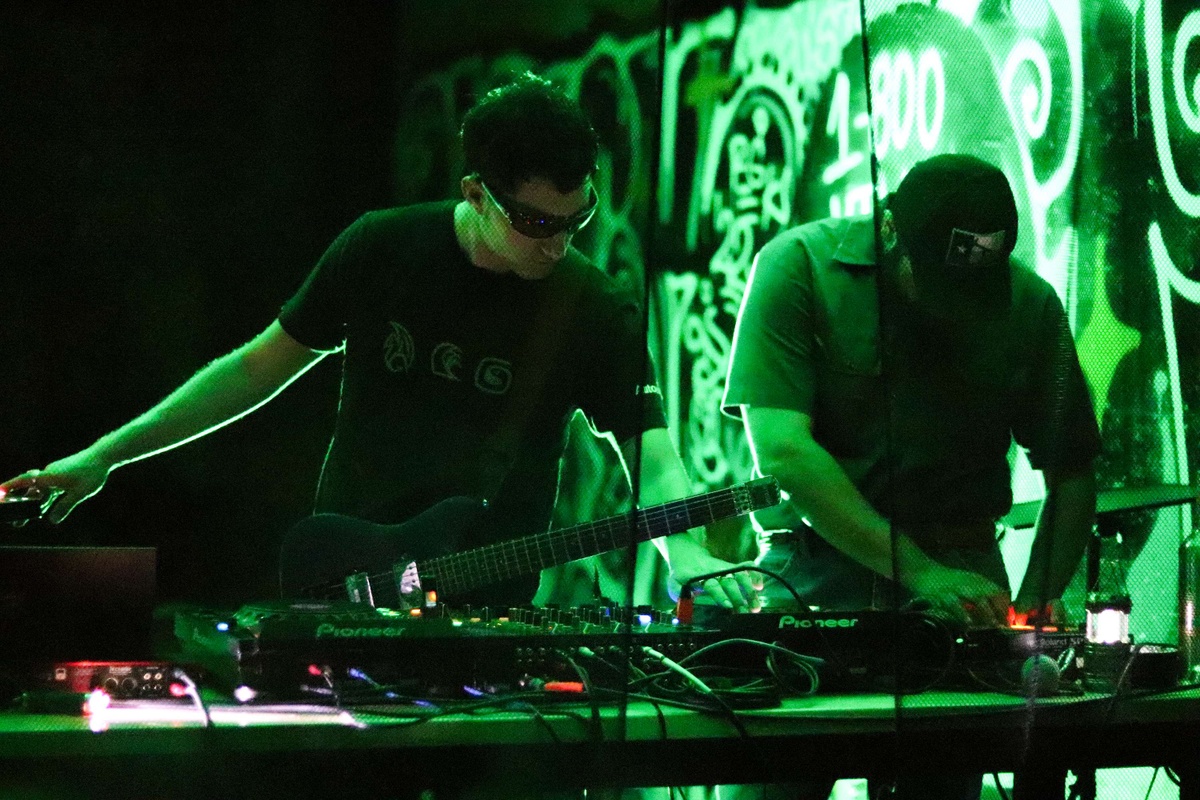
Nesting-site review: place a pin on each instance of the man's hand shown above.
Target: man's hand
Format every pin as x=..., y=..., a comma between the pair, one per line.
x=62, y=485
x=738, y=591
x=663, y=479
x=967, y=596
x=1053, y=613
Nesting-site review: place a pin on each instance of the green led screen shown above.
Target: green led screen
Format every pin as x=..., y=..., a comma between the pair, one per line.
x=756, y=119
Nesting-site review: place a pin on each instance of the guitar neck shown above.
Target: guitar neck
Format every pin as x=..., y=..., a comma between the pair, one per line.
x=515, y=558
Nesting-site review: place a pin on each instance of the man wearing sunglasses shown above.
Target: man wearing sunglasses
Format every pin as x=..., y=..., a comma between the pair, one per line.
x=470, y=333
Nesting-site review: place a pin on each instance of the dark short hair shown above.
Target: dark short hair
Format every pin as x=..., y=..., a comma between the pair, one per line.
x=529, y=129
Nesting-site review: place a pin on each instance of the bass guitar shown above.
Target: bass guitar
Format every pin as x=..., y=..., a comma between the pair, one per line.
x=332, y=556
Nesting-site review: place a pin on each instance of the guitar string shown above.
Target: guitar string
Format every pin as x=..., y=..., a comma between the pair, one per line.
x=458, y=570
x=454, y=570
x=495, y=556
x=656, y=523
x=494, y=563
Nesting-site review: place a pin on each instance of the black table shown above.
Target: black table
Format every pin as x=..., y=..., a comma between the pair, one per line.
x=165, y=750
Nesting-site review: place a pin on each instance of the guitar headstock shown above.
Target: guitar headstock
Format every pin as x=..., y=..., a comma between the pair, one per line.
x=757, y=494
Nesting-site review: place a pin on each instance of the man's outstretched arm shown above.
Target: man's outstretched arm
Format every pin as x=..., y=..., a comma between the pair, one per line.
x=226, y=389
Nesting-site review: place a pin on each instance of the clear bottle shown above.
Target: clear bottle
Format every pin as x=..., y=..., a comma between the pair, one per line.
x=1108, y=603
x=1108, y=648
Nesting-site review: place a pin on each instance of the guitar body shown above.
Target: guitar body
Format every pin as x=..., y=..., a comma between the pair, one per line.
x=323, y=549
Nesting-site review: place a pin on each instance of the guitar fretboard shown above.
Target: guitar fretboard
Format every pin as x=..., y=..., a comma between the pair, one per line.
x=464, y=571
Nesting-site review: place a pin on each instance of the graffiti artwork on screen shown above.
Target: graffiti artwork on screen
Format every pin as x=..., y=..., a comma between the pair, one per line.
x=1092, y=110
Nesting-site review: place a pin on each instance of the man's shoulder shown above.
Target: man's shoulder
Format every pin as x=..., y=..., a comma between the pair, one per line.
x=824, y=242
x=397, y=218
x=596, y=285
x=412, y=234
x=838, y=227
x=829, y=228
x=829, y=235
x=1030, y=290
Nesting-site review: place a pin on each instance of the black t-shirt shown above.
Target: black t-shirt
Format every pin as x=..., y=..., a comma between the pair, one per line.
x=439, y=356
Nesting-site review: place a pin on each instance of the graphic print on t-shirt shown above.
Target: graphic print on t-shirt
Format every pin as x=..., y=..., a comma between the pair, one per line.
x=493, y=375
x=399, y=351
x=447, y=361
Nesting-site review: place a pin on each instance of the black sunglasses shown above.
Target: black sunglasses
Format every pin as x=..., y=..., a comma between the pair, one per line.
x=536, y=224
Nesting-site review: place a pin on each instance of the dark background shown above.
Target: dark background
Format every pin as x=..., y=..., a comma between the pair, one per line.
x=170, y=173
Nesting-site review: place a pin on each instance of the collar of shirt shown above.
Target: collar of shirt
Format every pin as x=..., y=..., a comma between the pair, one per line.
x=857, y=247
